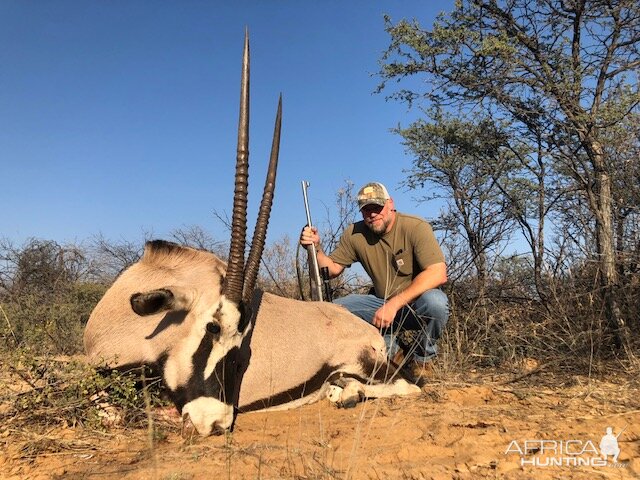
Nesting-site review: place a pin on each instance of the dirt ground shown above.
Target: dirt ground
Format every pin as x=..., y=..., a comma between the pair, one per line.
x=460, y=429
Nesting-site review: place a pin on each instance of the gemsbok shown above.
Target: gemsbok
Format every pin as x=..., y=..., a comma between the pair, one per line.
x=222, y=348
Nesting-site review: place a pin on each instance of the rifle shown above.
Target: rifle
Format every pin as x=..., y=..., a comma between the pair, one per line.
x=625, y=427
x=314, y=273
x=328, y=294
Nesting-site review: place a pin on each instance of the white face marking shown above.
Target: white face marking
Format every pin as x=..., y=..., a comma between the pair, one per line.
x=230, y=337
x=207, y=412
x=179, y=366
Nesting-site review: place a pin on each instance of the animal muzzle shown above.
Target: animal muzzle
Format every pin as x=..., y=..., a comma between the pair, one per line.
x=207, y=416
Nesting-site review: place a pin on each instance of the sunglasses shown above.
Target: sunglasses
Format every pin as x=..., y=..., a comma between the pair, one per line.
x=371, y=208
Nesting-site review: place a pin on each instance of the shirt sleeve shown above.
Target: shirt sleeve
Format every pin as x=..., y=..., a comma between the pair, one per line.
x=427, y=250
x=344, y=254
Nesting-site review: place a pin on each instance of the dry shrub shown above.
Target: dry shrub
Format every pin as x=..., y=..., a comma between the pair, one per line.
x=49, y=324
x=45, y=392
x=514, y=331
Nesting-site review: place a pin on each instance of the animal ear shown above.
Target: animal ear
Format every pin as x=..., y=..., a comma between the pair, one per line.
x=168, y=298
x=151, y=302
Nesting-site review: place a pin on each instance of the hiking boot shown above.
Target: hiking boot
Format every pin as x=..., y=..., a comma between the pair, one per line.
x=398, y=358
x=418, y=372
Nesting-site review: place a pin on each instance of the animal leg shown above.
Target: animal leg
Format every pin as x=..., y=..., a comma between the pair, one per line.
x=398, y=387
x=346, y=392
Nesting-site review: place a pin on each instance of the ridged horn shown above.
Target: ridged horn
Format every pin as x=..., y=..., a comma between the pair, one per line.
x=234, y=279
x=260, y=232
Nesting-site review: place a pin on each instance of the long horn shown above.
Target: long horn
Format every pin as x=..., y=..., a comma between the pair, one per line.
x=260, y=233
x=233, y=283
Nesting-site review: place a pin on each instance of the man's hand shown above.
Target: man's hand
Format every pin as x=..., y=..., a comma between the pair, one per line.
x=384, y=316
x=309, y=236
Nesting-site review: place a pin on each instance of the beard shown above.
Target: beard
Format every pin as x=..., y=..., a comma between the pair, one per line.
x=379, y=228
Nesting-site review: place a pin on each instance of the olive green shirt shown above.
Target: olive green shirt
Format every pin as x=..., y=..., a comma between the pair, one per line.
x=394, y=259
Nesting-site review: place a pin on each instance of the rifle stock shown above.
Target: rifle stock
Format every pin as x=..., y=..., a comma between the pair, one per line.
x=328, y=294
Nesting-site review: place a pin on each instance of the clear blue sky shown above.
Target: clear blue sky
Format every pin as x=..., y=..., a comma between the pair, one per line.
x=119, y=117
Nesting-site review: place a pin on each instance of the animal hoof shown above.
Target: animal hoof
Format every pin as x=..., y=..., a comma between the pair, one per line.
x=334, y=393
x=351, y=396
x=350, y=402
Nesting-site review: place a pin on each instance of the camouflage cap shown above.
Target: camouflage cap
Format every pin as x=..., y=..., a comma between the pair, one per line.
x=372, y=193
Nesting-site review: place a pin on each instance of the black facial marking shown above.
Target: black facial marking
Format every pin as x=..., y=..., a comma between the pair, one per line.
x=197, y=386
x=225, y=375
x=225, y=381
x=246, y=313
x=248, y=317
x=213, y=328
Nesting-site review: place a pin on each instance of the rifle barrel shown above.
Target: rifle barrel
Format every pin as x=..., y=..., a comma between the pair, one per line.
x=314, y=272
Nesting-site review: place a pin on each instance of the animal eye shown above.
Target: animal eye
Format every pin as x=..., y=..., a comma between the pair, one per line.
x=213, y=328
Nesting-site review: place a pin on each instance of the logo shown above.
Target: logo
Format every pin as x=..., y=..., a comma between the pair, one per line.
x=609, y=445
x=569, y=453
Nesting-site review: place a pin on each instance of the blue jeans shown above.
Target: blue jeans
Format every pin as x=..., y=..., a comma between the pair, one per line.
x=427, y=315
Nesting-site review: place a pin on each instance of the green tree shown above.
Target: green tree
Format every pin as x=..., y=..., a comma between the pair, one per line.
x=565, y=65
x=464, y=159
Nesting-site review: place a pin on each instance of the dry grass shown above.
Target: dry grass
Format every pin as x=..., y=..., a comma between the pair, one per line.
x=506, y=369
x=67, y=437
